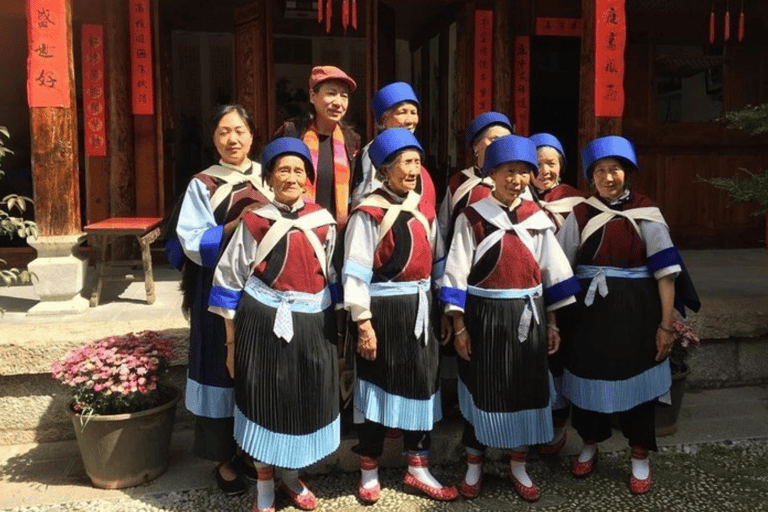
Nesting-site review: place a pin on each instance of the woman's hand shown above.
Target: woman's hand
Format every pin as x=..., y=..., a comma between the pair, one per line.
x=366, y=340
x=446, y=329
x=664, y=341
x=553, y=340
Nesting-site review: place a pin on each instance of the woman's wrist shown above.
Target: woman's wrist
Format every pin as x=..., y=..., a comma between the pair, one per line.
x=460, y=331
x=553, y=327
x=666, y=329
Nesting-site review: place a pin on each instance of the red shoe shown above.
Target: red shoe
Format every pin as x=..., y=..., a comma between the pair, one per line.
x=306, y=501
x=582, y=469
x=255, y=507
x=528, y=493
x=471, y=492
x=637, y=486
x=368, y=496
x=393, y=433
x=412, y=483
x=554, y=448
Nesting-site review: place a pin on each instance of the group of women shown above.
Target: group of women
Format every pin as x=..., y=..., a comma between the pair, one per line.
x=549, y=298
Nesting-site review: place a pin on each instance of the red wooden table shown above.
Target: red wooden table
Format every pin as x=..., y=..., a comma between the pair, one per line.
x=102, y=234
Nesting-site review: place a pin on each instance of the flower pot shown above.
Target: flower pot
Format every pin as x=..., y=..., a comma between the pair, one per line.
x=124, y=450
x=666, y=415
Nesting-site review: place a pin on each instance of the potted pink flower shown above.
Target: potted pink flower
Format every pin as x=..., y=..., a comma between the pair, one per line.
x=121, y=407
x=685, y=339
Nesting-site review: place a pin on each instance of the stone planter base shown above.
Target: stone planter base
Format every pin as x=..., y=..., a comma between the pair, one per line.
x=666, y=415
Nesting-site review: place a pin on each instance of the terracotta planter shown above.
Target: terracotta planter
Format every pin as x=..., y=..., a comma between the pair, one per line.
x=124, y=450
x=666, y=415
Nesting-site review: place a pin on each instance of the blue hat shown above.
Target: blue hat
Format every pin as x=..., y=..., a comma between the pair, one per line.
x=611, y=146
x=482, y=122
x=510, y=148
x=391, y=95
x=389, y=142
x=285, y=146
x=547, y=139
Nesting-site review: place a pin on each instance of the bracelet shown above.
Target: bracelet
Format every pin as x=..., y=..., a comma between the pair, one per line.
x=553, y=327
x=460, y=331
x=666, y=329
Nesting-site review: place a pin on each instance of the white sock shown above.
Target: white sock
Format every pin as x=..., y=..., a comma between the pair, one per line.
x=265, y=493
x=291, y=480
x=423, y=475
x=369, y=478
x=517, y=468
x=474, y=471
x=587, y=452
x=641, y=468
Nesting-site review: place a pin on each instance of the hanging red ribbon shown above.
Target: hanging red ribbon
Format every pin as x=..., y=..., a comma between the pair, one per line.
x=354, y=14
x=727, y=28
x=741, y=22
x=712, y=25
x=320, y=11
x=328, y=15
x=345, y=14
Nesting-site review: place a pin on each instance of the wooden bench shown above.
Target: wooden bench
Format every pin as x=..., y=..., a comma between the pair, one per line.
x=102, y=234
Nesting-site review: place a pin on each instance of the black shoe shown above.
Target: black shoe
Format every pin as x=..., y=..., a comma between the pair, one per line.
x=234, y=487
x=241, y=466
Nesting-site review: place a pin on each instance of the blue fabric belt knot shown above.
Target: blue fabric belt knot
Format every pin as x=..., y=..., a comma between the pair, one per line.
x=598, y=274
x=394, y=288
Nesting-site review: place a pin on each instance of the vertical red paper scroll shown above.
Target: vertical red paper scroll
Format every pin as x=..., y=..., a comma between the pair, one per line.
x=140, y=31
x=522, y=82
x=483, y=72
x=47, y=62
x=94, y=104
x=610, y=39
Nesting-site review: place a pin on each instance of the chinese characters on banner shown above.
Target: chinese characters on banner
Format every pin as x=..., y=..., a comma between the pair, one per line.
x=47, y=63
x=94, y=104
x=522, y=83
x=483, y=73
x=564, y=27
x=610, y=39
x=140, y=31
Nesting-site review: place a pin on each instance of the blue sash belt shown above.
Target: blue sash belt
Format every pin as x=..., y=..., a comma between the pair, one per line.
x=598, y=274
x=529, y=313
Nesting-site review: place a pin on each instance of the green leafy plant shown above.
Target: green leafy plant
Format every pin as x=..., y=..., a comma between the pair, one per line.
x=10, y=225
x=752, y=188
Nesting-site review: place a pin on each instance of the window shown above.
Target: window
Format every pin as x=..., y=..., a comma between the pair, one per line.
x=689, y=84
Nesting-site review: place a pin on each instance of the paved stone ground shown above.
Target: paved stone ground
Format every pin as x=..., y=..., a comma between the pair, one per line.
x=700, y=477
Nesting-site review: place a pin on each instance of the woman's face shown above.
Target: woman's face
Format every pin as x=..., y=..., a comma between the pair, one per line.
x=510, y=179
x=404, y=115
x=233, y=139
x=288, y=179
x=331, y=100
x=403, y=174
x=549, y=168
x=608, y=176
x=488, y=136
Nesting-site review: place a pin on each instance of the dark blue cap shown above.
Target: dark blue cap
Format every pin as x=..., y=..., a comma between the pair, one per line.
x=482, y=122
x=510, y=148
x=547, y=139
x=391, y=95
x=389, y=142
x=611, y=146
x=285, y=146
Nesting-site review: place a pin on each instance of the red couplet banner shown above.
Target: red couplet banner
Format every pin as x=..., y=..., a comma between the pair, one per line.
x=94, y=102
x=47, y=63
x=562, y=27
x=140, y=31
x=522, y=83
x=483, y=61
x=610, y=40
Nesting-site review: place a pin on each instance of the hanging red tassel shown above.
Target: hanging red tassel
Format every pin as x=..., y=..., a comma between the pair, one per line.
x=741, y=22
x=328, y=15
x=320, y=11
x=711, y=25
x=354, y=14
x=727, y=29
x=345, y=14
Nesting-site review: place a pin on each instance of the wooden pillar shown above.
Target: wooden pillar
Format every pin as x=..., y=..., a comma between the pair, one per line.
x=120, y=129
x=590, y=127
x=465, y=35
x=371, y=52
x=254, y=71
x=502, y=58
x=55, y=172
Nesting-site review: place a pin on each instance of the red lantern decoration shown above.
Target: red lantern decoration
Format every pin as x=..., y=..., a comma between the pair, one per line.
x=319, y=11
x=727, y=28
x=328, y=15
x=712, y=25
x=345, y=14
x=354, y=14
x=741, y=22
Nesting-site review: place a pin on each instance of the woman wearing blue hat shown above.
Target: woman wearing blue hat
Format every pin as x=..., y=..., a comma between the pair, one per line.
x=557, y=200
x=620, y=334
x=394, y=106
x=504, y=270
x=202, y=223
x=275, y=287
x=470, y=185
x=391, y=246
